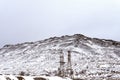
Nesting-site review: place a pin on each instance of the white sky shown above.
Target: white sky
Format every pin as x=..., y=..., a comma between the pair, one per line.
x=33, y=20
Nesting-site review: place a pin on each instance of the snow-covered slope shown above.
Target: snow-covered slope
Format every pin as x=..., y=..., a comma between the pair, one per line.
x=90, y=56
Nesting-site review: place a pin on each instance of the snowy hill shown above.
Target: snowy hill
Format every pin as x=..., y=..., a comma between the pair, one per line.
x=91, y=57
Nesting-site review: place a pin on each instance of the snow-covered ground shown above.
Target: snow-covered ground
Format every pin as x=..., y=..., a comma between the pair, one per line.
x=12, y=77
x=90, y=57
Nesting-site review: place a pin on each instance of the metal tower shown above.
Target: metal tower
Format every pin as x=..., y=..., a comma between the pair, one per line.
x=61, y=69
x=69, y=66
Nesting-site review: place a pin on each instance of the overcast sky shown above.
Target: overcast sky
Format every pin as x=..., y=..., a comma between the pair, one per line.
x=33, y=20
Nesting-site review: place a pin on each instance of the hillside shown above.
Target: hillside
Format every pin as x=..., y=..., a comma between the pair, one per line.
x=91, y=57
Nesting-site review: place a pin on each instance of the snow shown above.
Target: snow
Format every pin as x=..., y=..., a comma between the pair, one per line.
x=12, y=77
x=42, y=57
x=2, y=77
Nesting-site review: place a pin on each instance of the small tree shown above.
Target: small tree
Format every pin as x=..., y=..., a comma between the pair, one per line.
x=22, y=73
